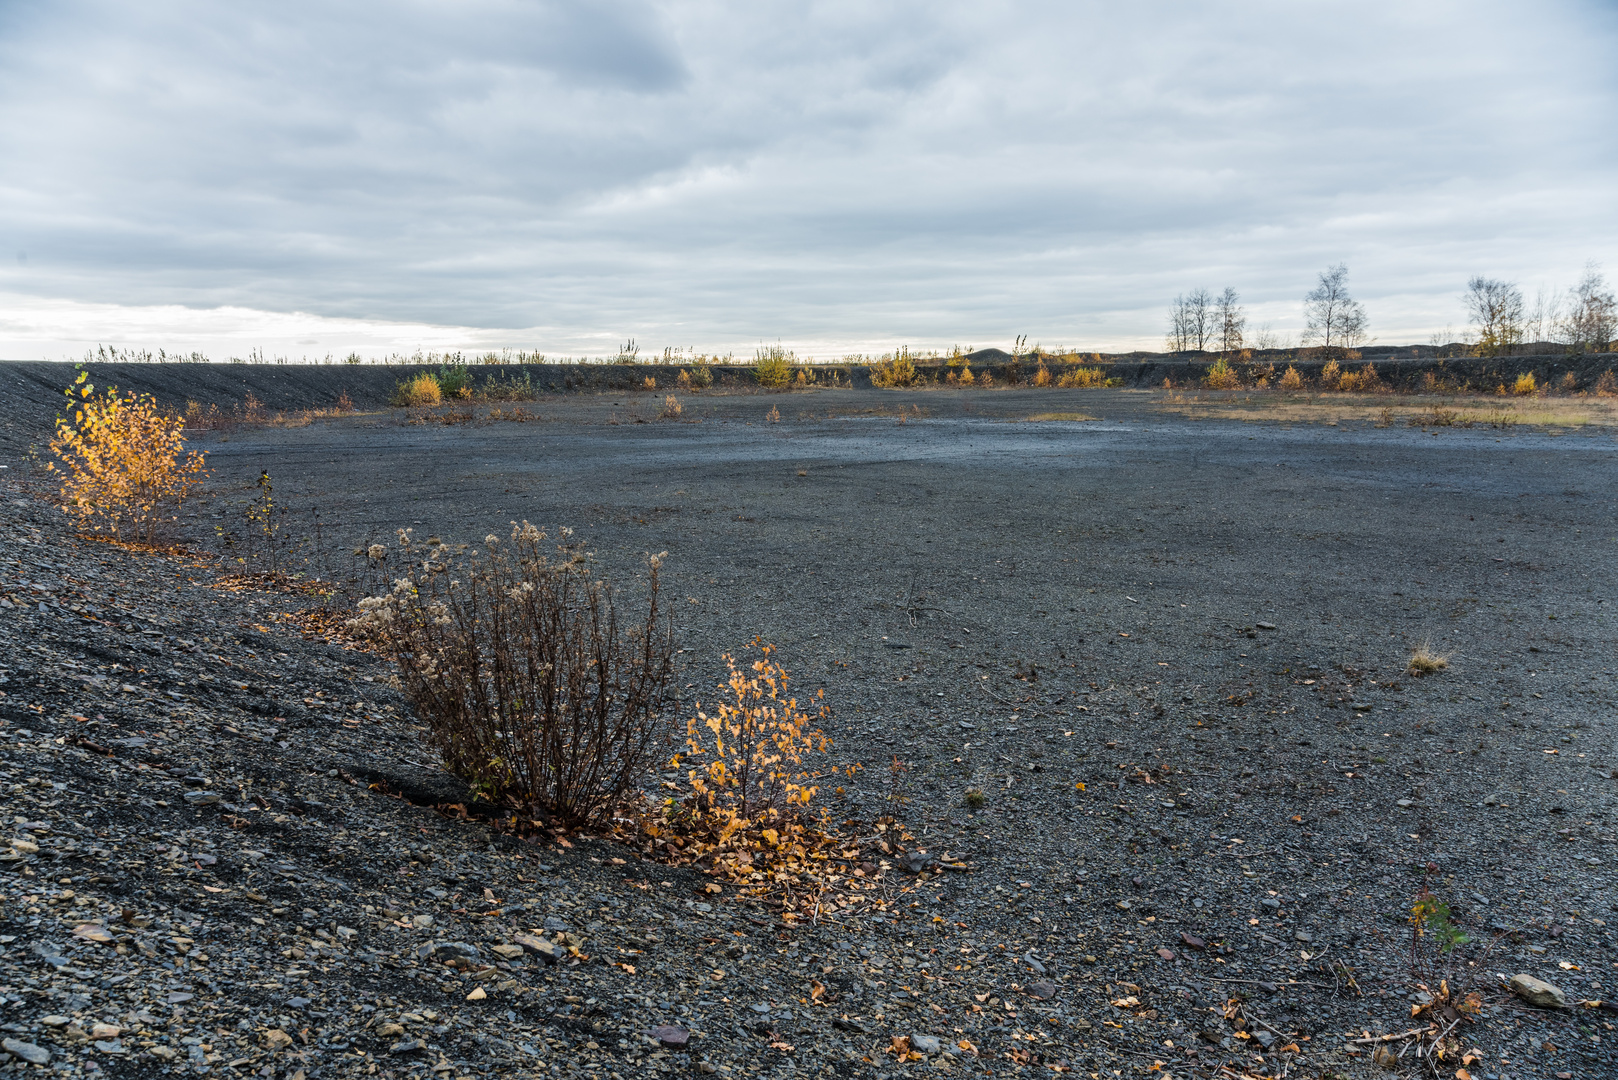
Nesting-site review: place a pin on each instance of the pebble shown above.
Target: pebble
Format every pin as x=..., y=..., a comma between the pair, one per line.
x=670, y=1034
x=1538, y=992
x=201, y=798
x=925, y=1044
x=29, y=1052
x=1272, y=903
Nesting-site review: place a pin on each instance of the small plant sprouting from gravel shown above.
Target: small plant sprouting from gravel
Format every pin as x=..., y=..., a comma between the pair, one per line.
x=671, y=408
x=536, y=695
x=1426, y=661
x=751, y=779
x=974, y=798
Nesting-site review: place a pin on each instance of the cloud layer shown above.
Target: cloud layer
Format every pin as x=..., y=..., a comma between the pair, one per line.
x=839, y=176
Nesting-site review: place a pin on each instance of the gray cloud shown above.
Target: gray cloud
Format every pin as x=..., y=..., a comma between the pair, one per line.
x=708, y=173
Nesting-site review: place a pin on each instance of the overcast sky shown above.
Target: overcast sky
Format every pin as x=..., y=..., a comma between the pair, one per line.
x=841, y=177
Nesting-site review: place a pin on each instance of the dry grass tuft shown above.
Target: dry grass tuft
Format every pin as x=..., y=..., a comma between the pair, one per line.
x=1424, y=661
x=671, y=408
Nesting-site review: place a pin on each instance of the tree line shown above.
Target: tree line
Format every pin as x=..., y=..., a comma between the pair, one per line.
x=1583, y=318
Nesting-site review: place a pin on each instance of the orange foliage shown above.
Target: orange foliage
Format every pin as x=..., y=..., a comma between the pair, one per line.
x=122, y=462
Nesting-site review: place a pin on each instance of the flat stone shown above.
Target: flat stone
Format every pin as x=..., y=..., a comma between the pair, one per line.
x=1042, y=989
x=670, y=1034
x=926, y=1044
x=1191, y=941
x=1304, y=936
x=409, y=1046
x=27, y=1051
x=538, y=946
x=449, y=950
x=1538, y=992
x=201, y=798
x=1272, y=903
x=1165, y=954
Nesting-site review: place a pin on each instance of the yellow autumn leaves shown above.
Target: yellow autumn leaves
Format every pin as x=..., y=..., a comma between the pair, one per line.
x=122, y=462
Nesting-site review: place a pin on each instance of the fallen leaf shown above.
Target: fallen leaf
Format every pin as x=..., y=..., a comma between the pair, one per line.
x=1127, y=1002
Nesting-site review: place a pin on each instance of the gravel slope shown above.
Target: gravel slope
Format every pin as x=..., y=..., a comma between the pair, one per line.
x=1221, y=610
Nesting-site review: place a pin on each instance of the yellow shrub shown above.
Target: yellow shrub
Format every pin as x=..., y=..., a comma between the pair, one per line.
x=671, y=408
x=1607, y=385
x=1364, y=380
x=899, y=371
x=1291, y=380
x=772, y=366
x=966, y=375
x=1084, y=378
x=759, y=738
x=1042, y=377
x=1330, y=375
x=1525, y=384
x=1221, y=376
x=684, y=380
x=649, y=383
x=122, y=462
x=421, y=390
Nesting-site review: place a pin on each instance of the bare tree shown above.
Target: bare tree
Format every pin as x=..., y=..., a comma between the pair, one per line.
x=1590, y=321
x=1177, y=339
x=1191, y=321
x=1230, y=320
x=1497, y=312
x=1331, y=316
x=1540, y=320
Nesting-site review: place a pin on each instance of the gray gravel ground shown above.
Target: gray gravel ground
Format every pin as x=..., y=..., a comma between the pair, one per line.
x=1205, y=624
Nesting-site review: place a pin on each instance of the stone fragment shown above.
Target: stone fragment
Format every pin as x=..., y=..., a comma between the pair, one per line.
x=201, y=798
x=1538, y=992
x=925, y=1044
x=27, y=1051
x=409, y=1046
x=477, y=994
x=670, y=1034
x=1191, y=941
x=539, y=947
x=1042, y=989
x=508, y=952
x=1165, y=954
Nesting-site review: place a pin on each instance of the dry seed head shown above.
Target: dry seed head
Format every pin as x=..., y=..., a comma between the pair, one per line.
x=377, y=552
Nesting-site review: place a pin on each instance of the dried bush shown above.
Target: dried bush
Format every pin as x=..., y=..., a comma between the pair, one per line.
x=1330, y=375
x=1526, y=385
x=683, y=380
x=702, y=376
x=649, y=383
x=671, y=408
x=535, y=694
x=1042, y=375
x=122, y=462
x=1607, y=385
x=966, y=378
x=1291, y=380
